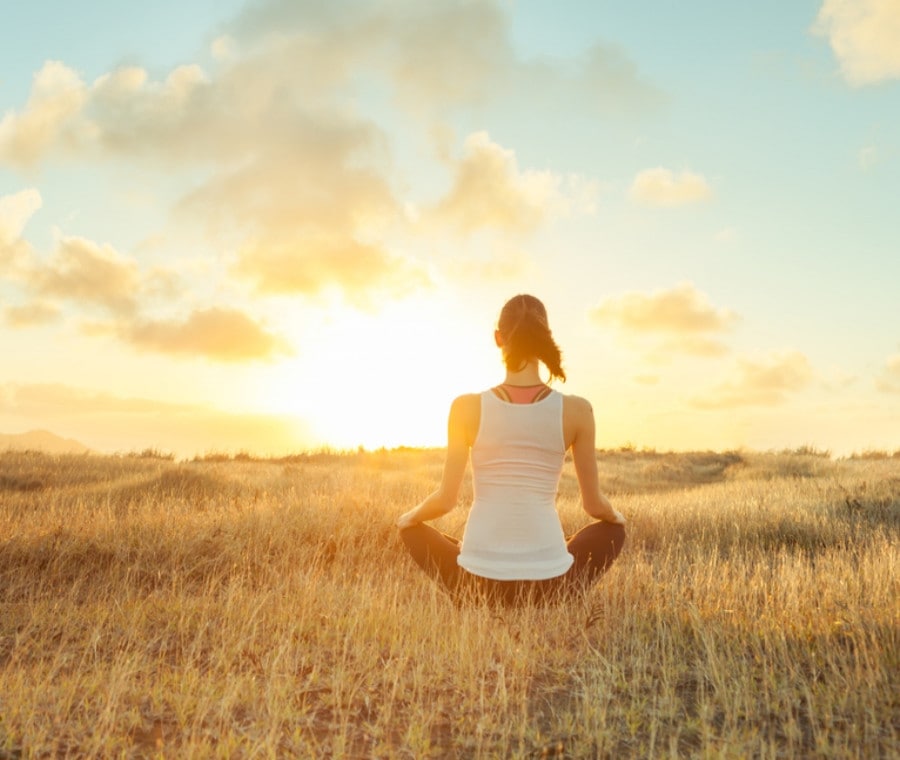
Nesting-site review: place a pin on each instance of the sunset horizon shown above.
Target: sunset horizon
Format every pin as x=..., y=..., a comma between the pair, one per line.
x=271, y=227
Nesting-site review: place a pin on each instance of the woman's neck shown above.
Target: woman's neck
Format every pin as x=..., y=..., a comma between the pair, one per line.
x=528, y=375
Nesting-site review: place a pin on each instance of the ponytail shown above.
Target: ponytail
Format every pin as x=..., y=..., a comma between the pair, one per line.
x=526, y=335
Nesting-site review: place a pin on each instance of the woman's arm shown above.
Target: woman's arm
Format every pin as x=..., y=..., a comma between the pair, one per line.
x=584, y=455
x=461, y=428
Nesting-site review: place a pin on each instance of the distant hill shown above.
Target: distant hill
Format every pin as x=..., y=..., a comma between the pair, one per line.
x=42, y=440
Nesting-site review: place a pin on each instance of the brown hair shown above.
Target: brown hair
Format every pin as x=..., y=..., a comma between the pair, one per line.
x=526, y=335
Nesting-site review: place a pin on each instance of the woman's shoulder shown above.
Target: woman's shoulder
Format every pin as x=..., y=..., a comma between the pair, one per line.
x=578, y=419
x=466, y=405
x=576, y=404
x=465, y=416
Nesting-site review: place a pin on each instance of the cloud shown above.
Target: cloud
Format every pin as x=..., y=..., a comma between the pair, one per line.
x=889, y=378
x=760, y=382
x=681, y=309
x=271, y=161
x=445, y=52
x=300, y=183
x=31, y=315
x=681, y=318
x=661, y=187
x=88, y=273
x=167, y=120
x=615, y=83
x=864, y=36
x=50, y=118
x=281, y=140
x=602, y=83
x=489, y=190
x=280, y=55
x=15, y=211
x=223, y=48
x=223, y=334
x=311, y=215
x=311, y=264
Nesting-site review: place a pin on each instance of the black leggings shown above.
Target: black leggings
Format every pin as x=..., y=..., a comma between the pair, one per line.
x=594, y=548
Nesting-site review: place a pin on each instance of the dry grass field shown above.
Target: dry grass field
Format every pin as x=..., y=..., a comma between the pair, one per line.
x=229, y=607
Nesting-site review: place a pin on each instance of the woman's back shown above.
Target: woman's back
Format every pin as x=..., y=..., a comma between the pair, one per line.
x=513, y=531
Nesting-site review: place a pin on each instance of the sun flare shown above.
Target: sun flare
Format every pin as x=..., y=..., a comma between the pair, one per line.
x=385, y=379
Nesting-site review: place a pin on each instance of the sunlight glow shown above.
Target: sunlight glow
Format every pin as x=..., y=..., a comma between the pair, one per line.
x=386, y=379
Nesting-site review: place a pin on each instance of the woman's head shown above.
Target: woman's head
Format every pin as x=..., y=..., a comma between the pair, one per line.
x=525, y=335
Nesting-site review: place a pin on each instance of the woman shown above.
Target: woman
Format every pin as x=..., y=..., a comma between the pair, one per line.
x=513, y=547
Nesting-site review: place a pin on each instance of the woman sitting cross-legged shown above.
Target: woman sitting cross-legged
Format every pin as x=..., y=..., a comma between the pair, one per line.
x=513, y=548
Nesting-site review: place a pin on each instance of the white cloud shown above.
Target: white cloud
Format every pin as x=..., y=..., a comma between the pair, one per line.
x=280, y=143
x=311, y=264
x=678, y=320
x=442, y=54
x=681, y=309
x=760, y=382
x=865, y=38
x=15, y=211
x=223, y=48
x=661, y=187
x=87, y=273
x=83, y=274
x=15, y=252
x=49, y=119
x=120, y=83
x=223, y=334
x=889, y=378
x=489, y=190
x=130, y=114
x=32, y=314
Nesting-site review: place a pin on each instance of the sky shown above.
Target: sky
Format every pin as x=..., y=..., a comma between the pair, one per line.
x=280, y=225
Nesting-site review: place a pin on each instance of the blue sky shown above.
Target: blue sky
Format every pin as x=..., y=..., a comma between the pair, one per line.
x=236, y=212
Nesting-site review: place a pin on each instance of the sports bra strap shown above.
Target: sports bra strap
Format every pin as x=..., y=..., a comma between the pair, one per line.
x=521, y=394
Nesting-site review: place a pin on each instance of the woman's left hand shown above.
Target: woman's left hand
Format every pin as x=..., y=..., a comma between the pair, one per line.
x=407, y=520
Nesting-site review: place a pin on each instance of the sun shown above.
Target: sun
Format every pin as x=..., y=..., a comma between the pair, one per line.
x=385, y=379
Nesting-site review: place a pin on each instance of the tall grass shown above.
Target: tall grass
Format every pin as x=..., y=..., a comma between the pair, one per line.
x=224, y=608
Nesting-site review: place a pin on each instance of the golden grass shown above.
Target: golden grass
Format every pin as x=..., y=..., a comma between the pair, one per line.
x=247, y=608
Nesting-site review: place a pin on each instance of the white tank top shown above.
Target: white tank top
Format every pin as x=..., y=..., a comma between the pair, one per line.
x=513, y=531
